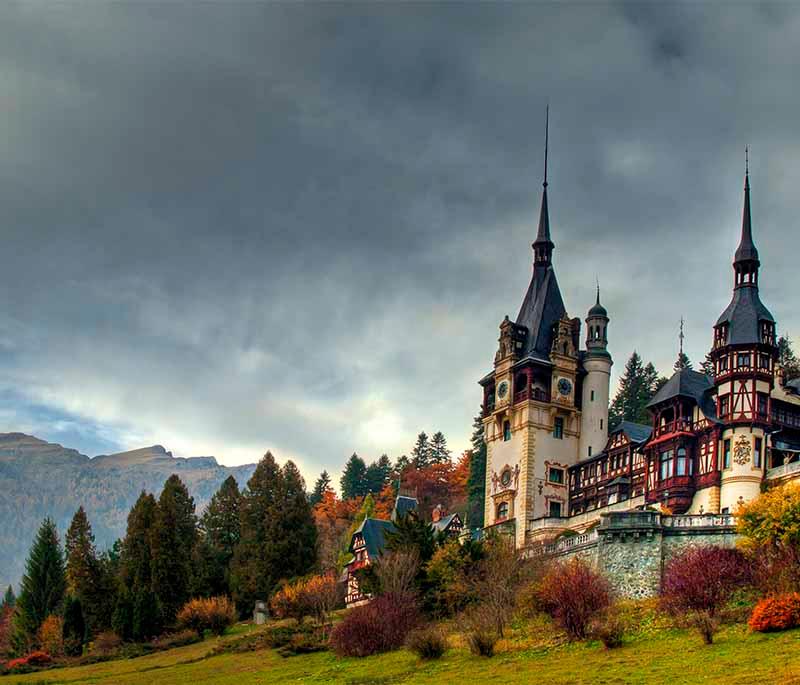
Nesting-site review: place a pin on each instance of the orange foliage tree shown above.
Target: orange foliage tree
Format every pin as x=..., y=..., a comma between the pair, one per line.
x=333, y=517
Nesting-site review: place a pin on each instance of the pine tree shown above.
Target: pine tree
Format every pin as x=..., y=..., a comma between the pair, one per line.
x=84, y=574
x=412, y=534
x=353, y=482
x=9, y=599
x=251, y=575
x=402, y=463
x=378, y=474
x=74, y=631
x=683, y=362
x=136, y=555
x=172, y=542
x=636, y=388
x=42, y=588
x=421, y=452
x=291, y=544
x=439, y=454
x=787, y=360
x=476, y=484
x=147, y=615
x=707, y=367
x=219, y=533
x=322, y=486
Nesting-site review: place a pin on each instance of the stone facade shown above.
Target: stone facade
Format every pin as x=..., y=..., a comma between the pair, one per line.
x=633, y=548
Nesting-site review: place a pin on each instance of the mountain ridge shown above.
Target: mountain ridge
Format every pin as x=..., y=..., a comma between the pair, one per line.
x=40, y=478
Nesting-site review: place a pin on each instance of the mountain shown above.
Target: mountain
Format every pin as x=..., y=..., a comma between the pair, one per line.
x=39, y=479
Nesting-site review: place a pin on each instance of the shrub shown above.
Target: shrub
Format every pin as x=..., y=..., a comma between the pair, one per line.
x=609, y=629
x=379, y=626
x=106, y=643
x=179, y=639
x=50, y=636
x=480, y=628
x=707, y=624
x=214, y=613
x=315, y=596
x=572, y=593
x=303, y=643
x=427, y=643
x=39, y=658
x=776, y=613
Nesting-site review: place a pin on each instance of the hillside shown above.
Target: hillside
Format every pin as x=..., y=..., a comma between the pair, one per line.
x=41, y=479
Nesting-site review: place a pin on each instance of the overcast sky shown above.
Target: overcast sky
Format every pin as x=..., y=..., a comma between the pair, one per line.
x=228, y=227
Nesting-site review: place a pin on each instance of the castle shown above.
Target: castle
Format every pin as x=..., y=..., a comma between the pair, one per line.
x=553, y=463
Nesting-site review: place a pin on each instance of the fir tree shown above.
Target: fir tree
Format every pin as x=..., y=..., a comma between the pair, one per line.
x=220, y=532
x=84, y=571
x=122, y=620
x=683, y=362
x=787, y=360
x=322, y=486
x=291, y=544
x=421, y=452
x=402, y=463
x=412, y=534
x=439, y=454
x=9, y=599
x=378, y=474
x=636, y=388
x=476, y=483
x=707, y=367
x=353, y=482
x=147, y=615
x=74, y=629
x=135, y=556
x=251, y=575
x=172, y=542
x=42, y=588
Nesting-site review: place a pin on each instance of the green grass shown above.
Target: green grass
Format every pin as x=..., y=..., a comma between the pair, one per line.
x=531, y=653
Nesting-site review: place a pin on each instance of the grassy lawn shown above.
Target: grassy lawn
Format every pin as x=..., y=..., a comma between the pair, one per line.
x=531, y=654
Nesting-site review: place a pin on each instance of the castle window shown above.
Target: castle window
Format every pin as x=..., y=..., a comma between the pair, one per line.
x=726, y=454
x=666, y=465
x=763, y=361
x=724, y=405
x=506, y=431
x=590, y=451
x=723, y=364
x=601, y=424
x=556, y=475
x=555, y=509
x=757, y=454
x=558, y=428
x=502, y=511
x=743, y=360
x=762, y=404
x=681, y=465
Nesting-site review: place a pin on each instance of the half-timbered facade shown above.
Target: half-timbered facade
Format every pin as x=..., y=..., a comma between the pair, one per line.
x=553, y=465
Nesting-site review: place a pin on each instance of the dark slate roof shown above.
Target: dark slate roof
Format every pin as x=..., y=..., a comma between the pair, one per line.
x=636, y=432
x=746, y=252
x=373, y=532
x=598, y=309
x=692, y=384
x=403, y=505
x=743, y=315
x=442, y=523
x=541, y=310
x=794, y=384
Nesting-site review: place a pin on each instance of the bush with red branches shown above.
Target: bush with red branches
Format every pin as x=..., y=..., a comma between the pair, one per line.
x=780, y=612
x=573, y=593
x=380, y=626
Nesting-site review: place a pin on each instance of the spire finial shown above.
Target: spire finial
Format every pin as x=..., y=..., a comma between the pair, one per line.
x=546, y=137
x=747, y=167
x=597, y=278
x=681, y=337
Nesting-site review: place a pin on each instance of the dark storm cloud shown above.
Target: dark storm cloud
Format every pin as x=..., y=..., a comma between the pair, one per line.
x=228, y=227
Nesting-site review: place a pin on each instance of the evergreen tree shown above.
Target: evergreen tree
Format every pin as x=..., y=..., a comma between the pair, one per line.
x=220, y=531
x=707, y=367
x=412, y=534
x=84, y=572
x=251, y=575
x=147, y=616
x=122, y=620
x=42, y=588
x=291, y=544
x=172, y=542
x=9, y=599
x=421, y=452
x=683, y=362
x=378, y=474
x=787, y=360
x=402, y=463
x=322, y=486
x=353, y=482
x=135, y=556
x=636, y=388
x=439, y=454
x=74, y=630
x=476, y=483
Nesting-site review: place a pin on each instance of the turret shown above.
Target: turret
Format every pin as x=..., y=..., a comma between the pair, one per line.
x=597, y=363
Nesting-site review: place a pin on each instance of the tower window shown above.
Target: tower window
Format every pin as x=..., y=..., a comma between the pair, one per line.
x=763, y=402
x=681, y=466
x=763, y=361
x=558, y=428
x=601, y=424
x=723, y=364
x=555, y=509
x=506, y=431
x=743, y=360
x=665, y=460
x=590, y=450
x=757, y=453
x=591, y=396
x=724, y=405
x=726, y=454
x=556, y=475
x=502, y=511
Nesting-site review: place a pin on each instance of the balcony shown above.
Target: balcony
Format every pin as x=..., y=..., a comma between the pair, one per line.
x=536, y=394
x=680, y=425
x=784, y=471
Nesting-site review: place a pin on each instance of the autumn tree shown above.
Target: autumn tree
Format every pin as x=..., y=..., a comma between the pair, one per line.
x=476, y=484
x=366, y=510
x=353, y=482
x=42, y=588
x=322, y=486
x=218, y=534
x=332, y=518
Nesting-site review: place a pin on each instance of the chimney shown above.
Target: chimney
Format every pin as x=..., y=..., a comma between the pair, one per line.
x=436, y=514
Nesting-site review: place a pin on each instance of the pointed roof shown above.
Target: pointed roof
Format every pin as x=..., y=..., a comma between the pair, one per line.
x=692, y=384
x=746, y=252
x=373, y=530
x=636, y=432
x=598, y=309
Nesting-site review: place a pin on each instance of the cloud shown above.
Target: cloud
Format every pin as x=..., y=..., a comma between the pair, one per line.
x=233, y=228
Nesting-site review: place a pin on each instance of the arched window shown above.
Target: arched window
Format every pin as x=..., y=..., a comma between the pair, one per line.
x=502, y=511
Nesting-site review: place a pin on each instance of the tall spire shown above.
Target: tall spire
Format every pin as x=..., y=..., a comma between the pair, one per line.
x=746, y=252
x=543, y=245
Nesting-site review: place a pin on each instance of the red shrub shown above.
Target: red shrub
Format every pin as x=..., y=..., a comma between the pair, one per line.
x=379, y=626
x=572, y=593
x=702, y=579
x=32, y=659
x=776, y=613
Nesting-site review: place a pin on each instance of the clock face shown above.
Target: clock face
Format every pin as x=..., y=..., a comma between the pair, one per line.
x=505, y=477
x=502, y=389
x=564, y=386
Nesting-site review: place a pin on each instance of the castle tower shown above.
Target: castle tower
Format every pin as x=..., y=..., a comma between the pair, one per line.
x=530, y=415
x=597, y=363
x=744, y=356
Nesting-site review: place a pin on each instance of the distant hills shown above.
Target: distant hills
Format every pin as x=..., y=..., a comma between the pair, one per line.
x=39, y=479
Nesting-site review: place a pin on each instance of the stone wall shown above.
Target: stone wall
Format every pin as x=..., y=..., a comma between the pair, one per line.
x=632, y=548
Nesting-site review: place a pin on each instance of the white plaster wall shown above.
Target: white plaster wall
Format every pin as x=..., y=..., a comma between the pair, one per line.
x=740, y=480
x=594, y=413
